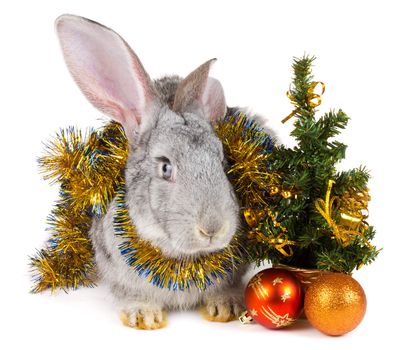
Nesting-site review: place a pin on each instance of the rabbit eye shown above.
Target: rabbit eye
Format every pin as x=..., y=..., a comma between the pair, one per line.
x=165, y=168
x=167, y=171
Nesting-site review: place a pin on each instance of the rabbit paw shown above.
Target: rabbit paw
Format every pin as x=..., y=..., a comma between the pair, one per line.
x=144, y=318
x=222, y=310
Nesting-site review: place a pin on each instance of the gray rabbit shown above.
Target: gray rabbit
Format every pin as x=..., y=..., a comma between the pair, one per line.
x=178, y=194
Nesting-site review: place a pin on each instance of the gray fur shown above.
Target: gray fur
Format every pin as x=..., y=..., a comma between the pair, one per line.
x=165, y=214
x=166, y=88
x=194, y=214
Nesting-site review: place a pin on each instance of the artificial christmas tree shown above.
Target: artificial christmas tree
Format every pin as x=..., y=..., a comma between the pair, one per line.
x=317, y=215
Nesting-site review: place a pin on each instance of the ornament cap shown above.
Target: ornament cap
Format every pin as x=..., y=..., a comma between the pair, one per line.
x=246, y=318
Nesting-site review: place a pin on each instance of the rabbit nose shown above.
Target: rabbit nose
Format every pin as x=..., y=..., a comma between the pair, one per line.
x=212, y=230
x=208, y=233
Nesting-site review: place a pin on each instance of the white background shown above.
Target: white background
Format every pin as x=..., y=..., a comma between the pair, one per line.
x=355, y=42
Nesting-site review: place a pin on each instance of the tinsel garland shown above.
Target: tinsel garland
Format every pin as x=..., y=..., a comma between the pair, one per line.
x=295, y=208
x=90, y=172
x=88, y=169
x=248, y=152
x=171, y=273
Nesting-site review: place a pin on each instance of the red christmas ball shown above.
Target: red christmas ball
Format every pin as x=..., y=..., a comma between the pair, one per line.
x=274, y=298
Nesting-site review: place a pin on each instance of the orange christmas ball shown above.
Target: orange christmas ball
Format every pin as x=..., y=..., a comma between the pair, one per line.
x=274, y=298
x=335, y=304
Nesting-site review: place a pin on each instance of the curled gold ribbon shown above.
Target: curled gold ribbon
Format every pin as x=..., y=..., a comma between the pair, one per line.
x=280, y=242
x=313, y=99
x=351, y=224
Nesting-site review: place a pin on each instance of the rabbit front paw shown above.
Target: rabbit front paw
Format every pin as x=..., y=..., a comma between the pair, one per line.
x=144, y=317
x=222, y=310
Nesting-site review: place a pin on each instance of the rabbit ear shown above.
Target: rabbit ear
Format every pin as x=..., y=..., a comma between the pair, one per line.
x=198, y=90
x=106, y=70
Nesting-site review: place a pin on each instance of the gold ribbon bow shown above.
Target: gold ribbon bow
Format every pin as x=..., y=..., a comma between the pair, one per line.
x=313, y=99
x=351, y=223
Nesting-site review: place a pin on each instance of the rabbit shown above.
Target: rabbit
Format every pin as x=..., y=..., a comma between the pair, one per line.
x=179, y=197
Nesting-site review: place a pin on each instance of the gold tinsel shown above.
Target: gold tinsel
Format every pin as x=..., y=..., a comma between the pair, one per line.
x=248, y=151
x=168, y=272
x=89, y=171
x=90, y=168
